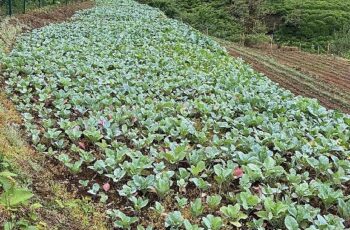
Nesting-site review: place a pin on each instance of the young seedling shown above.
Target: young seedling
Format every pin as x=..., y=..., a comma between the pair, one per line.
x=212, y=222
x=127, y=191
x=117, y=175
x=248, y=200
x=196, y=207
x=200, y=183
x=122, y=221
x=138, y=203
x=143, y=183
x=222, y=175
x=189, y=226
x=214, y=201
x=199, y=168
x=158, y=207
x=181, y=202
x=174, y=220
x=273, y=210
x=233, y=214
x=95, y=189
x=162, y=186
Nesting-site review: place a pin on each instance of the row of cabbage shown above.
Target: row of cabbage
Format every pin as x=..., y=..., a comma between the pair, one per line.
x=177, y=134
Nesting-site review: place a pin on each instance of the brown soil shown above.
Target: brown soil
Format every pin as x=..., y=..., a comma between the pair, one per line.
x=323, y=77
x=42, y=17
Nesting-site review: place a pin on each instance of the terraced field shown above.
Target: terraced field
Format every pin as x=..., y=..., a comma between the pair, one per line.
x=325, y=78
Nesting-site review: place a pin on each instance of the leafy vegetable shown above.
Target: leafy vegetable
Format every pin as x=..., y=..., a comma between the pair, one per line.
x=166, y=117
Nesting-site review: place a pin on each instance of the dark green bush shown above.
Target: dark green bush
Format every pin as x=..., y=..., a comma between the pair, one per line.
x=167, y=6
x=311, y=22
x=212, y=17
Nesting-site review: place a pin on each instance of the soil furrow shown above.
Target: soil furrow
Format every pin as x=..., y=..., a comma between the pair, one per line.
x=332, y=94
x=307, y=81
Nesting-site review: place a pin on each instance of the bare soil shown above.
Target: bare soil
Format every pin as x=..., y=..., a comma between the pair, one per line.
x=42, y=17
x=324, y=77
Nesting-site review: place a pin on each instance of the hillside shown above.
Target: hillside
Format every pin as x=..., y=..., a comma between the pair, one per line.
x=208, y=16
x=158, y=123
x=312, y=22
x=315, y=26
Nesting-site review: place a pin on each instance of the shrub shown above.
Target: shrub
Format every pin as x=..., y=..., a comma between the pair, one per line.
x=341, y=42
x=255, y=39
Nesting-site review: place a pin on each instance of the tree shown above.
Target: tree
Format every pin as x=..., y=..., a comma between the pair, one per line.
x=250, y=13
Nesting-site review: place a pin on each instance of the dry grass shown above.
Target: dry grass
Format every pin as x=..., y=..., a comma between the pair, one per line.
x=9, y=31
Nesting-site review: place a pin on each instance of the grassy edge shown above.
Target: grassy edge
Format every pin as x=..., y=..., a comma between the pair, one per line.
x=55, y=204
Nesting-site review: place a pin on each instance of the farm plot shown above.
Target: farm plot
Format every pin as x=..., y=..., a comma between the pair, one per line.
x=317, y=76
x=159, y=122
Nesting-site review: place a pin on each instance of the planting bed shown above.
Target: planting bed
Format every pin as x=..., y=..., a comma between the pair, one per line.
x=325, y=78
x=170, y=131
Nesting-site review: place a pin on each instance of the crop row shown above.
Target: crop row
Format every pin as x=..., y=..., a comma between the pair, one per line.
x=185, y=135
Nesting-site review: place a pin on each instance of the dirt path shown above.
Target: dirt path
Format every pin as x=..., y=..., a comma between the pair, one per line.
x=325, y=78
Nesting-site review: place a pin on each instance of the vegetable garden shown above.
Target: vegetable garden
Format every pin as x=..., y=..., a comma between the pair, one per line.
x=162, y=125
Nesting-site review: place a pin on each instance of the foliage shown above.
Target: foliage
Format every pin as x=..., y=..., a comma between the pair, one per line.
x=255, y=39
x=211, y=17
x=122, y=221
x=174, y=220
x=12, y=196
x=312, y=22
x=214, y=201
x=341, y=42
x=233, y=214
x=211, y=222
x=165, y=115
x=307, y=23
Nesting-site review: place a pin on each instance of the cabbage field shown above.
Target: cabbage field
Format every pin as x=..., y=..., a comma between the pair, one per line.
x=168, y=130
